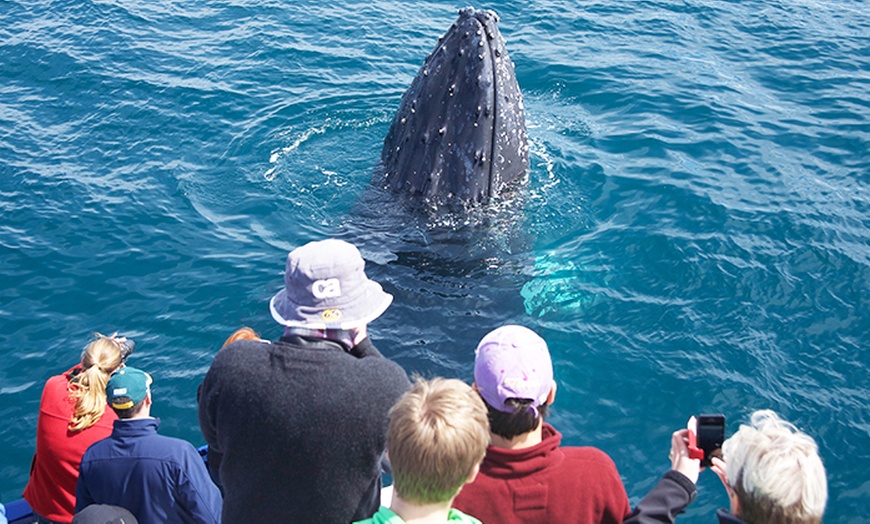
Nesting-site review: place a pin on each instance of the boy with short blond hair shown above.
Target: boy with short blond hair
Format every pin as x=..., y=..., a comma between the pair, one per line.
x=437, y=437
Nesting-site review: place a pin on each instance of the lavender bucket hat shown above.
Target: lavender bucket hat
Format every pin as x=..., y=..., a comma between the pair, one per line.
x=325, y=287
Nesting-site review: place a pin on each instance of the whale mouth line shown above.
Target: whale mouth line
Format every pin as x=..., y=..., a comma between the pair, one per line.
x=482, y=17
x=493, y=56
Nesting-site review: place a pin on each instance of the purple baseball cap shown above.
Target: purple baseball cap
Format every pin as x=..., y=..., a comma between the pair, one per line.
x=513, y=362
x=325, y=287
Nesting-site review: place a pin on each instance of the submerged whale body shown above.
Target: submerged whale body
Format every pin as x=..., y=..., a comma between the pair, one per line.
x=459, y=136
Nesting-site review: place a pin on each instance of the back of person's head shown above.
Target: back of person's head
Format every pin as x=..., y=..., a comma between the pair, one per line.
x=127, y=390
x=243, y=333
x=104, y=514
x=99, y=359
x=514, y=375
x=326, y=288
x=437, y=436
x=776, y=472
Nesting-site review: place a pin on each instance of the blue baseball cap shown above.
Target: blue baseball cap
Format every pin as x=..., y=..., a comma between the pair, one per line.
x=127, y=387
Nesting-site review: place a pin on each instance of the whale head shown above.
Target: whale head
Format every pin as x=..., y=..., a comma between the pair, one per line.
x=459, y=136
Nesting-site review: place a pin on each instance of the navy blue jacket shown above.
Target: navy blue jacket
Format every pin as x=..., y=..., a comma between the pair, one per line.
x=157, y=478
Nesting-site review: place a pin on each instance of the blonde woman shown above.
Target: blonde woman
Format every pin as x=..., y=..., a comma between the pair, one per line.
x=72, y=416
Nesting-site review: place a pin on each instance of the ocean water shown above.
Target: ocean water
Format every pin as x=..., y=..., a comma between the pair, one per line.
x=695, y=236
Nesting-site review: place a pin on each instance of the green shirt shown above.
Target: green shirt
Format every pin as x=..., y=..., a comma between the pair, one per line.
x=386, y=516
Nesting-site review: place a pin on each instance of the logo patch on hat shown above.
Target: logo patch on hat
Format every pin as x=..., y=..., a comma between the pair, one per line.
x=514, y=382
x=329, y=288
x=331, y=315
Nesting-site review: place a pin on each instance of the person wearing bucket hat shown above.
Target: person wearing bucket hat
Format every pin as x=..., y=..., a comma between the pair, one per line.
x=299, y=424
x=526, y=475
x=156, y=478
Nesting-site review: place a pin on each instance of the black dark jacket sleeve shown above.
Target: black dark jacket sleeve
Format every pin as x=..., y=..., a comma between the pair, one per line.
x=365, y=349
x=665, y=501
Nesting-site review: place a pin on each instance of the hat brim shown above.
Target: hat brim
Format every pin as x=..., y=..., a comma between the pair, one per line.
x=366, y=308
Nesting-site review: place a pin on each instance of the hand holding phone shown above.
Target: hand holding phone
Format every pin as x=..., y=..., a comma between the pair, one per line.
x=680, y=460
x=706, y=434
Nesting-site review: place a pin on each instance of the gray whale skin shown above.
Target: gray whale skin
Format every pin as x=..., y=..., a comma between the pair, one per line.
x=459, y=136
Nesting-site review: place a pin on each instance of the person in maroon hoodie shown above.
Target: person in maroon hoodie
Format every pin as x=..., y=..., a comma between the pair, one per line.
x=526, y=475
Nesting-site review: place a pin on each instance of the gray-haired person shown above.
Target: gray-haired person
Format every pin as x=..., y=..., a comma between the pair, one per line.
x=297, y=428
x=771, y=471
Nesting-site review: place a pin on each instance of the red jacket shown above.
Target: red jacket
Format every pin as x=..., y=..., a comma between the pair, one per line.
x=547, y=484
x=51, y=490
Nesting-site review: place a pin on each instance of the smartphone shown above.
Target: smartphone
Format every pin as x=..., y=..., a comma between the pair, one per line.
x=710, y=435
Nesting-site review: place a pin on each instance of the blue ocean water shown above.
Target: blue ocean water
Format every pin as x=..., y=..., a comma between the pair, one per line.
x=695, y=236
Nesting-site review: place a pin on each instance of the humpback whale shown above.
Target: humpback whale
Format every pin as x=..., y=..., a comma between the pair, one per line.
x=459, y=136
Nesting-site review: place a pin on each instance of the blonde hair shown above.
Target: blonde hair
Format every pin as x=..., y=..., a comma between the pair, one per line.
x=243, y=333
x=776, y=472
x=99, y=359
x=438, y=433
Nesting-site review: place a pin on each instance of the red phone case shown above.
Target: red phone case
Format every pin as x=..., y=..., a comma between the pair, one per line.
x=694, y=451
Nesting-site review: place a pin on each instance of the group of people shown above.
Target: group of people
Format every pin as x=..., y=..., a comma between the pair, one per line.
x=303, y=429
x=98, y=455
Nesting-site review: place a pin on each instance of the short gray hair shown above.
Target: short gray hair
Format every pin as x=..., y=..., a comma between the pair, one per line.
x=776, y=471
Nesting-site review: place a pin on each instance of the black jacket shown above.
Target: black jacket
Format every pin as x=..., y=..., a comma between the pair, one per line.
x=665, y=501
x=668, y=499
x=297, y=428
